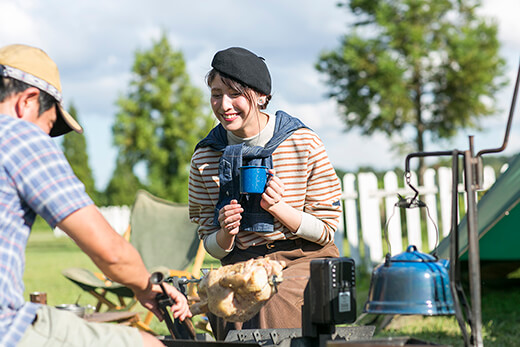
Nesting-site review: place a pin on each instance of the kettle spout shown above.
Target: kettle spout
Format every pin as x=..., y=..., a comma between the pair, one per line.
x=445, y=263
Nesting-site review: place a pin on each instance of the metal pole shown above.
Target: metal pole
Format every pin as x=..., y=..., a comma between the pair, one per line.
x=473, y=249
x=459, y=299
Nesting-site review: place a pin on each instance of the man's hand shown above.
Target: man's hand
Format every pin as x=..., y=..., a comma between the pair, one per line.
x=118, y=259
x=180, y=308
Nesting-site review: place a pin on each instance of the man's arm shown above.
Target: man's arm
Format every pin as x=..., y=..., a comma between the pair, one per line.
x=117, y=258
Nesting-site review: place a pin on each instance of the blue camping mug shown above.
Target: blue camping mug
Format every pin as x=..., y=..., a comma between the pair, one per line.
x=253, y=179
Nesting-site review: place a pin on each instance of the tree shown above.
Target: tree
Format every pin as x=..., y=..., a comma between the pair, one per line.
x=431, y=66
x=123, y=186
x=75, y=149
x=160, y=120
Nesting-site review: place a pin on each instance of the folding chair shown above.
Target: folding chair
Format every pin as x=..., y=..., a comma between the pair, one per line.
x=167, y=241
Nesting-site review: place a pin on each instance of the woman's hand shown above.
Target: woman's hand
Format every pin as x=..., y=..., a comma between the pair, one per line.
x=273, y=193
x=229, y=218
x=272, y=201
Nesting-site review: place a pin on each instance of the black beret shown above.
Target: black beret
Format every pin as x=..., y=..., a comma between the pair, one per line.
x=245, y=67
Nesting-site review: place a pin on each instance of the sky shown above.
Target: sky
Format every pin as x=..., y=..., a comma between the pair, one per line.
x=94, y=43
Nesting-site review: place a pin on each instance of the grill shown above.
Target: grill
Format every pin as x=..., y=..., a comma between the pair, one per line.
x=329, y=300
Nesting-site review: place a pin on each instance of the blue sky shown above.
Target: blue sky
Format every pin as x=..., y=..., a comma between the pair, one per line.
x=93, y=43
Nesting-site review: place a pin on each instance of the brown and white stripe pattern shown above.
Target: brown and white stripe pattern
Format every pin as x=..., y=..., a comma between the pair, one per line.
x=311, y=186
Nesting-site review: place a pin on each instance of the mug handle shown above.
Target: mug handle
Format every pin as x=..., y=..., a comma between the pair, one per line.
x=269, y=175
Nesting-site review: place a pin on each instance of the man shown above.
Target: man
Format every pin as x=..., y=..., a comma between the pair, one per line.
x=35, y=178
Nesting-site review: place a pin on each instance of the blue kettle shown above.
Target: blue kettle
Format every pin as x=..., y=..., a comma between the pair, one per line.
x=411, y=283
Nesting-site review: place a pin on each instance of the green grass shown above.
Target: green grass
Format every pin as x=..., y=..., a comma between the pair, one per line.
x=47, y=256
x=500, y=322
x=500, y=316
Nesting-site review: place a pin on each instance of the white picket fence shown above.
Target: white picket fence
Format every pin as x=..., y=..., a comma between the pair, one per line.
x=367, y=209
x=117, y=216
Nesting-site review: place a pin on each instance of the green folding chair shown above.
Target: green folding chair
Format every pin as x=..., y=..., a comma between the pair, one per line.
x=167, y=241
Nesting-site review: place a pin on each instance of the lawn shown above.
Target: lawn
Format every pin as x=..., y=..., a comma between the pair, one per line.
x=47, y=256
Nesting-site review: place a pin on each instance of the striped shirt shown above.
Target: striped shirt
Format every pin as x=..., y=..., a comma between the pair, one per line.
x=35, y=178
x=311, y=186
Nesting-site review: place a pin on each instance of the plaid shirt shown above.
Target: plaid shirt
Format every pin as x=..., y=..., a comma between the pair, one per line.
x=35, y=178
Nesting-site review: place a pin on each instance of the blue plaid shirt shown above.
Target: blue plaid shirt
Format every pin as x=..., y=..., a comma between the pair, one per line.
x=35, y=178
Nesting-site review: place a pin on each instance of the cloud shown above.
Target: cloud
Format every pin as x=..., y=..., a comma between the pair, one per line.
x=94, y=42
x=506, y=14
x=18, y=25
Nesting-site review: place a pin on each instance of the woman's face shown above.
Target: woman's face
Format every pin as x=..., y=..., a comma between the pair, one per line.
x=233, y=109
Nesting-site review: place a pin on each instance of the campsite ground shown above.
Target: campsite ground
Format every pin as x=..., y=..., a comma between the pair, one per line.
x=47, y=256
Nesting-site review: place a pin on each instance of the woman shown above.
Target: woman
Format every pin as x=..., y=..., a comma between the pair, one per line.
x=294, y=220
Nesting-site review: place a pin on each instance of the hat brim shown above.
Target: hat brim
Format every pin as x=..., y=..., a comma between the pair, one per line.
x=64, y=123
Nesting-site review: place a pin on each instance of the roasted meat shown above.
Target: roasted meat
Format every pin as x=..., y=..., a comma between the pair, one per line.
x=237, y=292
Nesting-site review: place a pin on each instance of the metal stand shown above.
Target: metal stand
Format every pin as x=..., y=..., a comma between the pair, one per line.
x=463, y=311
x=294, y=338
x=473, y=181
